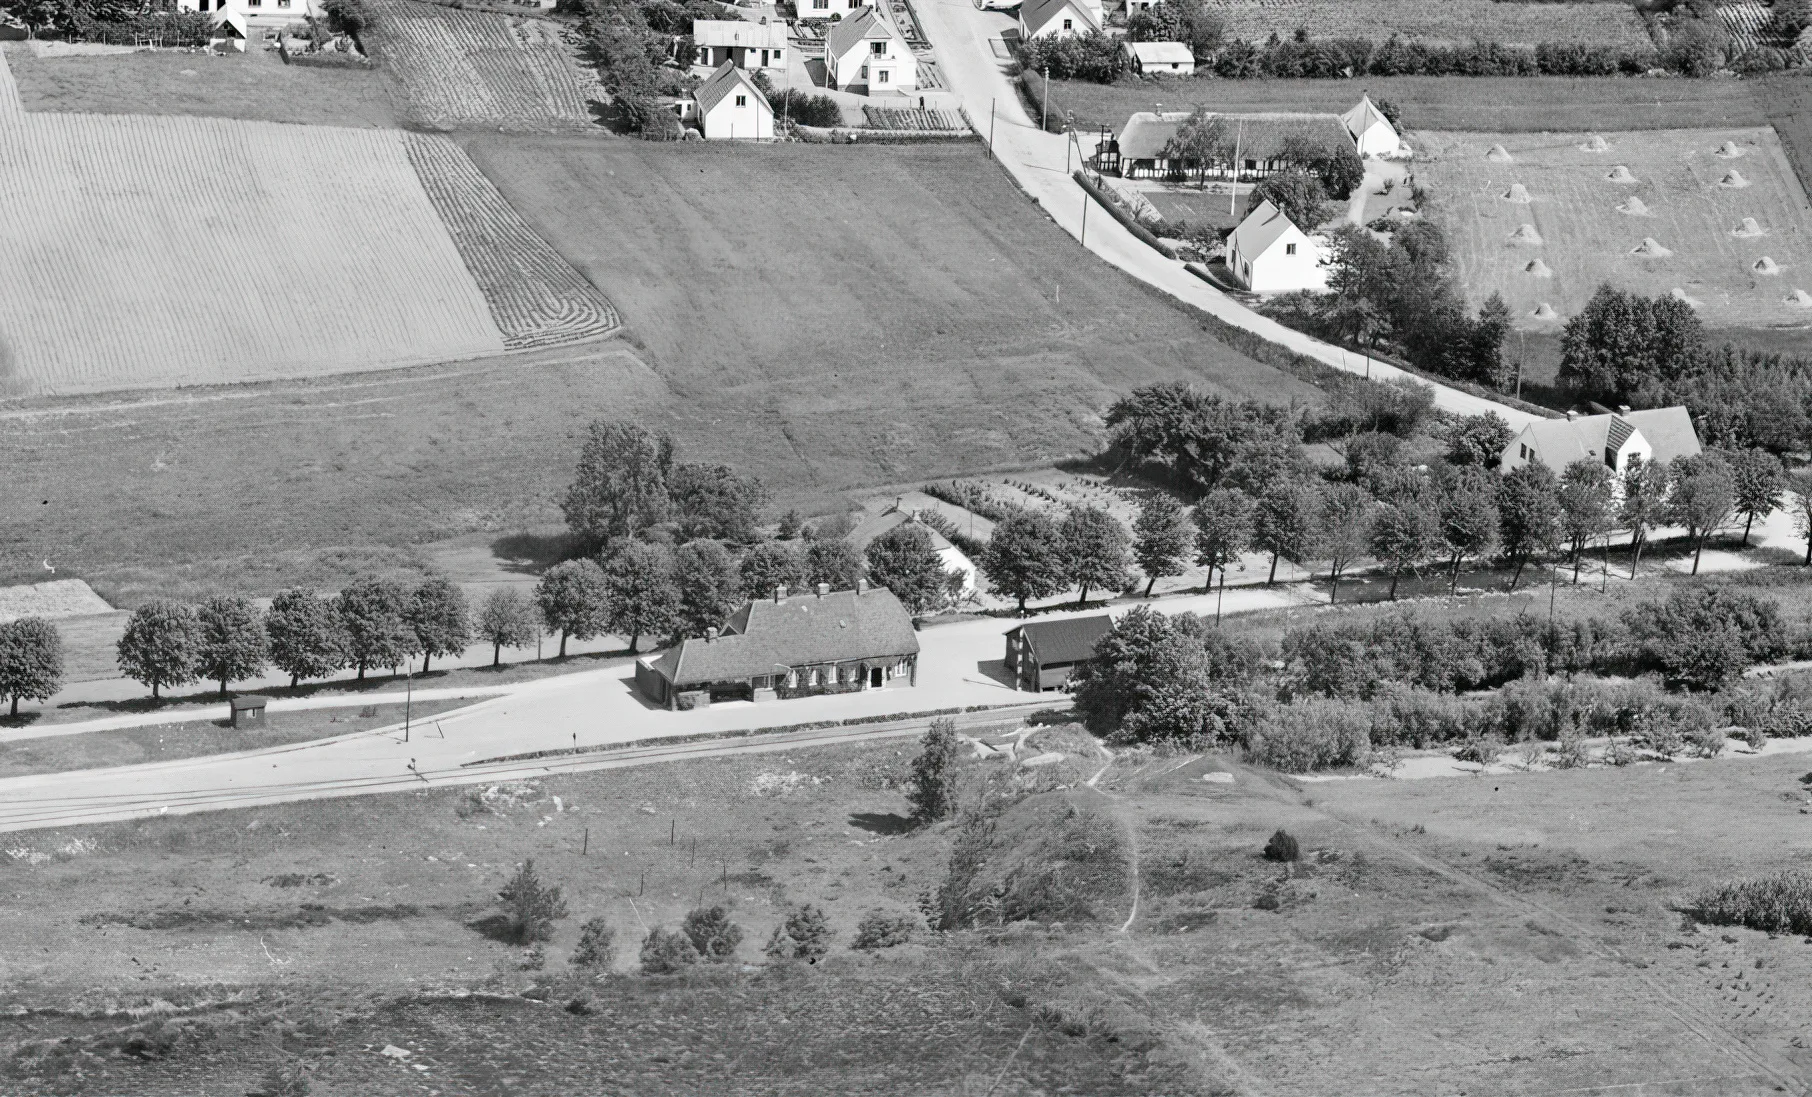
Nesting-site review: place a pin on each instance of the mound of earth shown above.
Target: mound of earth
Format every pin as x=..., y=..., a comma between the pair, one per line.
x=1766, y=265
x=1518, y=194
x=1679, y=294
x=1498, y=154
x=1051, y=857
x=1634, y=206
x=1733, y=179
x=1620, y=174
x=1749, y=227
x=1729, y=150
x=1526, y=234
x=1595, y=144
x=1651, y=248
x=1545, y=311
x=1799, y=299
x=1539, y=269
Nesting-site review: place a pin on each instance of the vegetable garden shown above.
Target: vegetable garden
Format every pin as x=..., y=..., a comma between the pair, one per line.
x=474, y=68
x=1613, y=25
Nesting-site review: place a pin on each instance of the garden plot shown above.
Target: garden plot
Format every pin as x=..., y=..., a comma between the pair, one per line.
x=57, y=598
x=1714, y=217
x=1614, y=25
x=474, y=68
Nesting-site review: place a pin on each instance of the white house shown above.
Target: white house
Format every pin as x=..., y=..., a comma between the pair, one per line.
x=1057, y=18
x=1371, y=132
x=866, y=53
x=1160, y=58
x=252, y=17
x=829, y=9
x=747, y=45
x=729, y=106
x=1659, y=434
x=1269, y=254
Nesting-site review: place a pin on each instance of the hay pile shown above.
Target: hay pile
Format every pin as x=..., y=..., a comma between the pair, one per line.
x=1545, y=311
x=1733, y=179
x=1749, y=227
x=1539, y=269
x=1799, y=299
x=1679, y=294
x=1620, y=174
x=1635, y=207
x=1766, y=265
x=1650, y=248
x=1595, y=144
x=1526, y=235
x=1518, y=194
x=1498, y=155
x=1729, y=150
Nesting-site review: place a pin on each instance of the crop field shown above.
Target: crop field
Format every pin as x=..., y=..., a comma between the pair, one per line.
x=1744, y=23
x=1613, y=24
x=467, y=68
x=1715, y=217
x=535, y=297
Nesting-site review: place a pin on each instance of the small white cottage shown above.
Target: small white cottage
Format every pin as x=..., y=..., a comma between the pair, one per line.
x=729, y=106
x=1160, y=58
x=1057, y=19
x=1372, y=133
x=1267, y=253
x=868, y=55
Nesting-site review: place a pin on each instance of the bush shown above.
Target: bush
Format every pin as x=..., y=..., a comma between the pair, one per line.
x=1094, y=56
x=805, y=935
x=346, y=17
x=597, y=946
x=530, y=909
x=807, y=109
x=932, y=788
x=1781, y=903
x=665, y=951
x=1310, y=735
x=1282, y=848
x=1705, y=638
x=712, y=934
x=1707, y=742
x=882, y=929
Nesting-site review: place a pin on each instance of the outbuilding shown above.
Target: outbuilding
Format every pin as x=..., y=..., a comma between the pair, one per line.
x=747, y=45
x=729, y=106
x=1160, y=58
x=1372, y=133
x=1043, y=655
x=1267, y=253
x=248, y=711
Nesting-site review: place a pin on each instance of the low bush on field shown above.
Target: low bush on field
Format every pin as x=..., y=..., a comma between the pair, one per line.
x=807, y=109
x=597, y=946
x=884, y=929
x=1313, y=734
x=1781, y=903
x=1282, y=847
x=1047, y=858
x=712, y=933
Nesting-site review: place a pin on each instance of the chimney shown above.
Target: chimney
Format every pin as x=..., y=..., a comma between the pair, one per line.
x=780, y=594
x=710, y=633
x=1572, y=415
x=1623, y=409
x=823, y=589
x=861, y=587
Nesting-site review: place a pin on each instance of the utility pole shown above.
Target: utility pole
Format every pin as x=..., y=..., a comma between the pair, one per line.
x=991, y=105
x=408, y=698
x=1085, y=217
x=1044, y=104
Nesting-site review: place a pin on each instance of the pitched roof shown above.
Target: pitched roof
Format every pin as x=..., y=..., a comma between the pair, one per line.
x=769, y=637
x=738, y=32
x=1161, y=53
x=1668, y=430
x=867, y=24
x=1560, y=442
x=1260, y=136
x=1364, y=116
x=1037, y=14
x=869, y=529
x=1262, y=227
x=726, y=79
x=1067, y=641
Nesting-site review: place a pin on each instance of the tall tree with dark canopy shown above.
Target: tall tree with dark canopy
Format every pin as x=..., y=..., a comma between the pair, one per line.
x=231, y=643
x=1095, y=549
x=31, y=661
x=1407, y=527
x=374, y=613
x=1202, y=437
x=1701, y=496
x=307, y=638
x=508, y=619
x=834, y=561
x=1297, y=194
x=1223, y=529
x=1346, y=521
x=1585, y=506
x=1760, y=483
x=1469, y=519
x=1024, y=558
x=904, y=561
x=160, y=646
x=1161, y=679
x=772, y=564
x=1622, y=343
x=437, y=614
x=1283, y=523
x=709, y=588
x=620, y=486
x=931, y=790
x=574, y=600
x=1160, y=539
x=640, y=591
x=1528, y=509
x=712, y=501
x=1643, y=493
x=1800, y=499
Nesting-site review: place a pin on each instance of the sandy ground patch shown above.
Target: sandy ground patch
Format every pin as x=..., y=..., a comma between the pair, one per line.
x=57, y=598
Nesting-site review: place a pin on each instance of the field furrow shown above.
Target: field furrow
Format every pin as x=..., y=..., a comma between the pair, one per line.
x=1600, y=24
x=474, y=68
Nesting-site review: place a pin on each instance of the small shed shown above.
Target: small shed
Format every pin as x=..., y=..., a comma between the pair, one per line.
x=1155, y=58
x=248, y=711
x=1042, y=655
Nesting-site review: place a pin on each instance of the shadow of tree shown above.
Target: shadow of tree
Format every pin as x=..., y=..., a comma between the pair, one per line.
x=875, y=822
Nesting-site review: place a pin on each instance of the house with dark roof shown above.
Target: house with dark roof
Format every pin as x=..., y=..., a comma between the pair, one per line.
x=1058, y=18
x=1042, y=655
x=1615, y=438
x=729, y=106
x=793, y=645
x=747, y=45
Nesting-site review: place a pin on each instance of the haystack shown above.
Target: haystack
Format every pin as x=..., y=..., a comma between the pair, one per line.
x=1679, y=294
x=1766, y=265
x=1539, y=269
x=1544, y=311
x=1620, y=174
x=1518, y=194
x=1799, y=299
x=1729, y=150
x=1733, y=179
x=1498, y=155
x=1650, y=248
x=1748, y=228
x=1526, y=234
x=1634, y=206
x=1595, y=144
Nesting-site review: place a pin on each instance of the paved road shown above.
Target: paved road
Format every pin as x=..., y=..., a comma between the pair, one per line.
x=963, y=36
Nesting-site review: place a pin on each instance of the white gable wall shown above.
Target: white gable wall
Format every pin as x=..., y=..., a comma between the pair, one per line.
x=1292, y=262
x=1054, y=26
x=753, y=120
x=893, y=69
x=1378, y=140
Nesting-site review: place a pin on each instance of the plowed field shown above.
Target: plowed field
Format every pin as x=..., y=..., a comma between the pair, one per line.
x=474, y=68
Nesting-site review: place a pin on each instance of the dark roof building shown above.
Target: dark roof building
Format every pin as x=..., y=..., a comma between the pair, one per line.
x=1043, y=654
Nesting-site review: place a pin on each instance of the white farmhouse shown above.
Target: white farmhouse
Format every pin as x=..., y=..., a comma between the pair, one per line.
x=1267, y=253
x=747, y=45
x=829, y=9
x=1057, y=18
x=251, y=17
x=1372, y=133
x=867, y=54
x=1659, y=434
x=1160, y=58
x=729, y=106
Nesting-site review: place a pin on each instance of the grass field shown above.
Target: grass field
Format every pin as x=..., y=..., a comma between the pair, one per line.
x=468, y=68
x=256, y=86
x=1613, y=24
x=1674, y=188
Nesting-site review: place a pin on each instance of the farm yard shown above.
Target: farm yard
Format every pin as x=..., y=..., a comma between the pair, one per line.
x=469, y=68
x=1714, y=216
x=1610, y=24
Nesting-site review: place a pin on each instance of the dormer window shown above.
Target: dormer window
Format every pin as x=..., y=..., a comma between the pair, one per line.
x=879, y=49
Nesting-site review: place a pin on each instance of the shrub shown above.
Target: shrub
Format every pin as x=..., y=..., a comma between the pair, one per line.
x=1479, y=749
x=665, y=951
x=530, y=908
x=1310, y=735
x=1282, y=848
x=1707, y=741
x=1094, y=56
x=1704, y=638
x=1781, y=903
x=807, y=109
x=711, y=932
x=597, y=946
x=932, y=791
x=805, y=935
x=1407, y=716
x=883, y=929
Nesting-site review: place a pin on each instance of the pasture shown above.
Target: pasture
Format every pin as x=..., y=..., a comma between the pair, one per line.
x=1713, y=216
x=470, y=68
x=1613, y=24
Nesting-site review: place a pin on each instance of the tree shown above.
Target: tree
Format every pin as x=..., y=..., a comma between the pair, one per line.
x=1345, y=521
x=1283, y=523
x=1024, y=558
x=621, y=482
x=160, y=645
x=231, y=643
x=574, y=600
x=712, y=501
x=791, y=525
x=530, y=908
x=436, y=613
x=805, y=935
x=1223, y=529
x=1160, y=540
x=705, y=577
x=1206, y=439
x=1407, y=529
x=1151, y=680
x=1760, y=482
x=1801, y=501
x=1621, y=343
x=1528, y=507
x=640, y=592
x=1701, y=497
x=1469, y=520
x=1585, y=506
x=307, y=638
x=903, y=561
x=833, y=561
x=1202, y=143
x=665, y=951
x=931, y=790
x=508, y=619
x=1297, y=194
x=31, y=661
x=374, y=614
x=1094, y=551
x=772, y=564
x=1644, y=489
x=597, y=948
x=712, y=933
